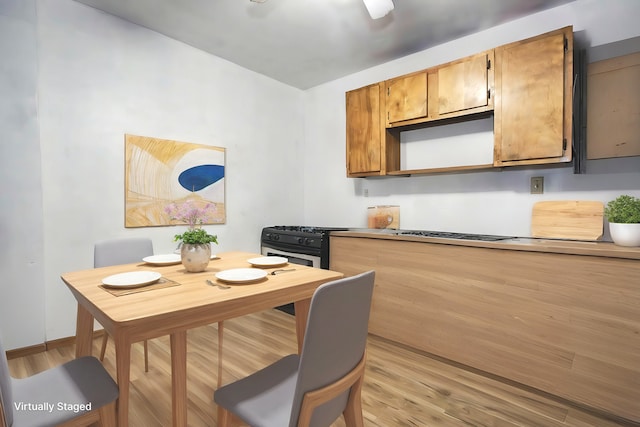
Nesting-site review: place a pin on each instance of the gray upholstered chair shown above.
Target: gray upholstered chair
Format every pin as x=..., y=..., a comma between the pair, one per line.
x=122, y=251
x=325, y=380
x=79, y=392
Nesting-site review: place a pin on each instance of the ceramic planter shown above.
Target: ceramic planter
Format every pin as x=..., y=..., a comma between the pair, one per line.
x=625, y=234
x=195, y=257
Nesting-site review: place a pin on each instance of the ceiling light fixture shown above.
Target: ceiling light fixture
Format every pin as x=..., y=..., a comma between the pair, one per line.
x=378, y=8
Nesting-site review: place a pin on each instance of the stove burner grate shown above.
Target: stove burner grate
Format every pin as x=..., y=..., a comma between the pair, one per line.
x=305, y=229
x=460, y=236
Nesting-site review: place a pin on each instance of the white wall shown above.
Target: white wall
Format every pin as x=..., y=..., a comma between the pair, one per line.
x=99, y=77
x=22, y=296
x=481, y=202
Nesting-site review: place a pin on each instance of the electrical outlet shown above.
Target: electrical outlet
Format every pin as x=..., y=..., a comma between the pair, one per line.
x=537, y=184
x=366, y=192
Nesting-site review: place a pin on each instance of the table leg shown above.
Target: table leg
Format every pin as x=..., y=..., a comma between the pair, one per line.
x=123, y=367
x=302, y=313
x=220, y=337
x=179, y=377
x=84, y=332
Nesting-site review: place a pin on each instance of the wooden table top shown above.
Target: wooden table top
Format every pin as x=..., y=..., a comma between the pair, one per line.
x=192, y=295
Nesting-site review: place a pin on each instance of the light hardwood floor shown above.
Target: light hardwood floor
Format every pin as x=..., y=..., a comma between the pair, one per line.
x=402, y=387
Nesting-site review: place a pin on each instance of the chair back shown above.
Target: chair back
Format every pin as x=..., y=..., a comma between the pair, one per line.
x=6, y=394
x=121, y=251
x=334, y=342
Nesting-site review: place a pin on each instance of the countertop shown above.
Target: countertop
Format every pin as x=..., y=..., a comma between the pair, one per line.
x=573, y=247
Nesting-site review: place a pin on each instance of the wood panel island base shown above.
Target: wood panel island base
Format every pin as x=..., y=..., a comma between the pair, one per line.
x=545, y=315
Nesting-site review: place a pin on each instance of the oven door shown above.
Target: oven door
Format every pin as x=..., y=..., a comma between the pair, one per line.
x=294, y=258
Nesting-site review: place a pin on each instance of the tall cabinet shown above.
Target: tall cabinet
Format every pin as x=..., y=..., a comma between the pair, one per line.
x=613, y=112
x=370, y=151
x=534, y=80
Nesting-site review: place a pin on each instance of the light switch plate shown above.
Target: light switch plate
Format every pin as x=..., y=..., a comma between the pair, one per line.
x=537, y=184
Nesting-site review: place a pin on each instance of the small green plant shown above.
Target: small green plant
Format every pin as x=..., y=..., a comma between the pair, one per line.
x=624, y=209
x=196, y=236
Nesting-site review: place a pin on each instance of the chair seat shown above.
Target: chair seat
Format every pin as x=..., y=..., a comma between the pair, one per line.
x=265, y=397
x=82, y=381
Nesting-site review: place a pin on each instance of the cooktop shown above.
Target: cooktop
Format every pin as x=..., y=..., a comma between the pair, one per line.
x=451, y=235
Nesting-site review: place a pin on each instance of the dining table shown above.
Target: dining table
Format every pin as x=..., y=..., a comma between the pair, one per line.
x=178, y=301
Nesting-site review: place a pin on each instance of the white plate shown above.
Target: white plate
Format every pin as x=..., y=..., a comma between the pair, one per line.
x=268, y=261
x=131, y=279
x=164, y=259
x=241, y=275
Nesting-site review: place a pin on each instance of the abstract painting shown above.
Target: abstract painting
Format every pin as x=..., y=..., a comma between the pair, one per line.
x=161, y=173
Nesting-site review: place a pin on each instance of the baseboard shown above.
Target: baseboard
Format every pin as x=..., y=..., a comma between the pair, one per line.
x=48, y=345
x=26, y=351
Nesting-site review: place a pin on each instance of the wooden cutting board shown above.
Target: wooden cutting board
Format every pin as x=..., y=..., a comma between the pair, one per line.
x=568, y=219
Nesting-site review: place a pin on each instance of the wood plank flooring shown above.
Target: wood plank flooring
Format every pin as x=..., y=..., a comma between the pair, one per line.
x=402, y=387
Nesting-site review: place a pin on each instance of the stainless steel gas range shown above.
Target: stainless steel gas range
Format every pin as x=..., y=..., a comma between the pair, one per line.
x=300, y=244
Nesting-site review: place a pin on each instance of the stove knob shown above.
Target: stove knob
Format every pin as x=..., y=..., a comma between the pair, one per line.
x=275, y=237
x=308, y=242
x=300, y=240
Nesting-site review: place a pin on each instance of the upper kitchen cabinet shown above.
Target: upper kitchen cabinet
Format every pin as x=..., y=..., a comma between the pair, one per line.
x=455, y=89
x=533, y=102
x=406, y=99
x=463, y=87
x=369, y=150
x=613, y=111
x=525, y=87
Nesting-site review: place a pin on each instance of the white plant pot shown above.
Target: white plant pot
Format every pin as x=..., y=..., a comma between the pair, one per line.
x=625, y=234
x=195, y=258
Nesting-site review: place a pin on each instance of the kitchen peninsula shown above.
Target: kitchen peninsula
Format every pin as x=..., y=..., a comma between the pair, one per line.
x=560, y=316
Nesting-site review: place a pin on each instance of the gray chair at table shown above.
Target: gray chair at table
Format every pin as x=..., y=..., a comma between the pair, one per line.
x=122, y=251
x=82, y=381
x=325, y=380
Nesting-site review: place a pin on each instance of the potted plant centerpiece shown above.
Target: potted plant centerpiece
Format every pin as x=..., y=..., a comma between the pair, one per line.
x=195, y=243
x=623, y=214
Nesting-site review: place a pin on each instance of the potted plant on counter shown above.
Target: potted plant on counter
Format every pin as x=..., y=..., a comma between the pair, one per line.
x=623, y=214
x=195, y=243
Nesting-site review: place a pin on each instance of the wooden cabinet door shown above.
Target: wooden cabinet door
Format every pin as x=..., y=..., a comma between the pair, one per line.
x=613, y=88
x=364, y=125
x=407, y=98
x=463, y=85
x=533, y=99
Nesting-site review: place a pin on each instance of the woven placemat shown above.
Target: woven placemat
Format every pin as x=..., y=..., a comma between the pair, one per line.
x=160, y=284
